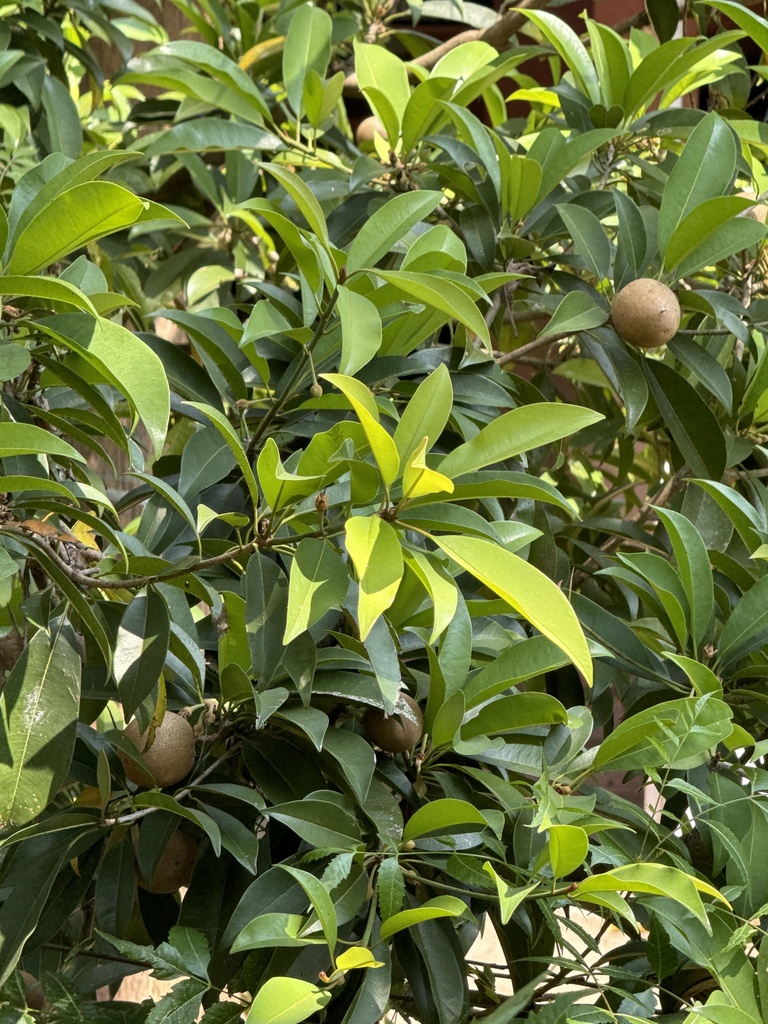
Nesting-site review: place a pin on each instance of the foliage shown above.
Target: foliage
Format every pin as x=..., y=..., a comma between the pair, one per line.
x=288, y=428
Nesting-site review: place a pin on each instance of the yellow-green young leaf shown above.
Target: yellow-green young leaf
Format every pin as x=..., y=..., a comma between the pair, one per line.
x=510, y=898
x=426, y=413
x=419, y=479
x=322, y=904
x=440, y=293
x=286, y=1001
x=379, y=68
x=362, y=401
x=525, y=589
x=440, y=906
x=518, y=430
x=49, y=289
x=280, y=487
x=440, y=586
x=568, y=846
x=656, y=880
x=377, y=556
x=355, y=958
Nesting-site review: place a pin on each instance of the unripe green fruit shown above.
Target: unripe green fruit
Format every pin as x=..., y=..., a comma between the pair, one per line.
x=316, y=390
x=646, y=313
x=395, y=733
x=170, y=757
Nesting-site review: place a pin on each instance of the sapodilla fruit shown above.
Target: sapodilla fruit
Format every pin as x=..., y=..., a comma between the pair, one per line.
x=366, y=132
x=759, y=212
x=395, y=733
x=174, y=869
x=170, y=757
x=646, y=313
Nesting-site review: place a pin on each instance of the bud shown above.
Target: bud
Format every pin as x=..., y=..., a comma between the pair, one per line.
x=316, y=390
x=321, y=502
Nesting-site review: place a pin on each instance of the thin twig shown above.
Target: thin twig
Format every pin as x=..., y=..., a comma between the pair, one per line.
x=545, y=339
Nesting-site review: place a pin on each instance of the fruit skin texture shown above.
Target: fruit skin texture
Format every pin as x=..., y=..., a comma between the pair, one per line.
x=396, y=733
x=174, y=869
x=646, y=313
x=170, y=757
x=758, y=213
x=366, y=131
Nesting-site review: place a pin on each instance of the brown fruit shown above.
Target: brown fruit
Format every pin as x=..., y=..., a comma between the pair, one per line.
x=646, y=313
x=757, y=213
x=33, y=992
x=395, y=733
x=170, y=757
x=316, y=390
x=174, y=869
x=366, y=132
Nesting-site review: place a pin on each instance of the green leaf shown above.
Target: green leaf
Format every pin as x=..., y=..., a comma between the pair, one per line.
x=26, y=439
x=525, y=589
x=746, y=626
x=360, y=330
x=576, y=312
x=589, y=239
x=679, y=733
x=516, y=431
x=319, y=822
x=444, y=816
x=440, y=587
x=657, y=880
x=226, y=430
x=48, y=288
x=141, y=649
x=517, y=711
x=510, y=897
x=78, y=216
x=568, y=847
x=692, y=424
x=388, y=225
x=279, y=486
x=307, y=47
x=180, y=1005
x=296, y=188
x=362, y=401
x=440, y=906
x=124, y=361
x=318, y=581
x=390, y=887
x=571, y=49
x=286, y=1001
x=165, y=802
x=700, y=224
x=695, y=572
x=440, y=293
x=755, y=26
x=426, y=413
x=375, y=551
x=39, y=706
x=321, y=902
x=380, y=69
x=703, y=171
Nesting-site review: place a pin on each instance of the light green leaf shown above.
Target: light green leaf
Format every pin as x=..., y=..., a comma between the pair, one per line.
x=318, y=581
x=388, y=225
x=419, y=479
x=50, y=289
x=307, y=47
x=532, y=594
x=440, y=293
x=79, y=215
x=360, y=330
x=516, y=431
x=321, y=902
x=286, y=1001
x=377, y=556
x=427, y=412
x=571, y=49
x=568, y=847
x=443, y=592
x=378, y=68
x=27, y=439
x=657, y=880
x=123, y=360
x=440, y=906
x=510, y=897
x=295, y=186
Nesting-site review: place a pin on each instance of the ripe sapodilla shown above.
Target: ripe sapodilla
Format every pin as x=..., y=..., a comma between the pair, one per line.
x=395, y=733
x=170, y=757
x=646, y=313
x=174, y=869
x=366, y=132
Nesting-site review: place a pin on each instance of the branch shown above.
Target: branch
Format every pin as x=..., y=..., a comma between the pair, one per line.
x=519, y=353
